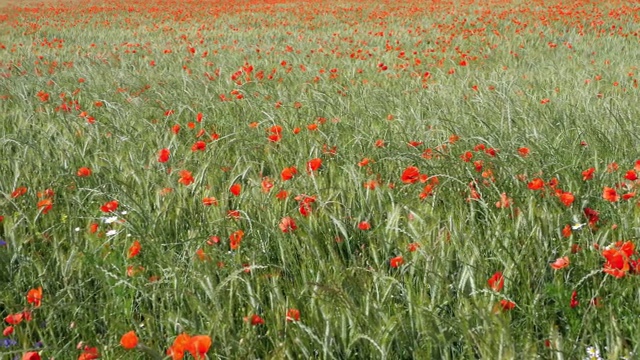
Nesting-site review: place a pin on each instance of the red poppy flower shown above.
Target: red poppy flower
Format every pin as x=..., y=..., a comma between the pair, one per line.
x=288, y=173
x=198, y=346
x=395, y=262
x=89, y=353
x=235, y=238
x=34, y=296
x=213, y=240
x=631, y=175
x=410, y=175
x=618, y=258
x=625, y=247
x=364, y=226
x=14, y=319
x=233, y=214
x=536, y=184
x=491, y=152
x=592, y=215
x=426, y=191
x=109, y=206
x=199, y=146
x=467, y=156
x=266, y=185
x=282, y=194
x=574, y=299
x=31, y=355
x=276, y=129
x=287, y=224
x=479, y=147
x=163, y=155
x=186, y=178
x=43, y=96
x=617, y=273
x=560, y=263
x=18, y=192
x=364, y=162
x=129, y=340
x=371, y=184
x=202, y=256
x=507, y=305
x=588, y=174
x=134, y=249
x=313, y=165
x=7, y=331
x=176, y=350
x=49, y=193
x=566, y=198
x=208, y=201
x=413, y=247
x=610, y=194
x=523, y=151
x=27, y=315
x=305, y=208
x=256, y=320
x=84, y=172
x=275, y=133
x=45, y=205
x=475, y=195
x=235, y=189
x=496, y=281
x=293, y=315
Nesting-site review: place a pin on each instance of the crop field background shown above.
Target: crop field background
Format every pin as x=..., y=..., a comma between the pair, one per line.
x=319, y=179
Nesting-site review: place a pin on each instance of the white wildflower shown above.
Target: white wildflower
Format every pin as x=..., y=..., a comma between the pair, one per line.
x=593, y=353
x=110, y=219
x=577, y=226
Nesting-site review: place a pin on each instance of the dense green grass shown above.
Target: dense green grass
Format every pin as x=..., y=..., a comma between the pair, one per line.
x=352, y=302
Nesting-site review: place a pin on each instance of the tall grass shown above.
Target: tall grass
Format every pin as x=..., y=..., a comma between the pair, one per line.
x=102, y=85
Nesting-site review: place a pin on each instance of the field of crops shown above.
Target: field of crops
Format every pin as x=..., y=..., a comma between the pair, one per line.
x=319, y=179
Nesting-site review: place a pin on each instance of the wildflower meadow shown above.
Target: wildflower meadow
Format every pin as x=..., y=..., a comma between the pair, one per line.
x=316, y=179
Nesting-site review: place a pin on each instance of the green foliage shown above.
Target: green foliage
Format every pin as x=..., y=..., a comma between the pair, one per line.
x=104, y=87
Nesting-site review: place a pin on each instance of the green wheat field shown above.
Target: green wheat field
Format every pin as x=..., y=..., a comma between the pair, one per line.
x=319, y=179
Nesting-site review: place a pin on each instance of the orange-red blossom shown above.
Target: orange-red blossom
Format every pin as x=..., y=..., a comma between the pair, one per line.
x=34, y=296
x=197, y=345
x=618, y=258
x=129, y=340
